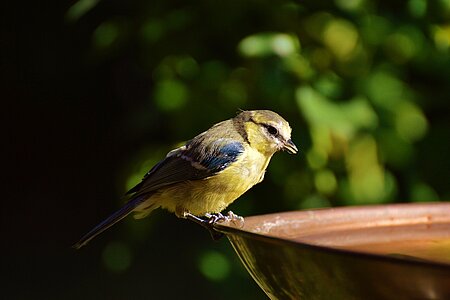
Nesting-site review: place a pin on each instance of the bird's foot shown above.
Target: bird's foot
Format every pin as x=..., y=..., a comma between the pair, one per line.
x=214, y=218
x=208, y=223
x=235, y=219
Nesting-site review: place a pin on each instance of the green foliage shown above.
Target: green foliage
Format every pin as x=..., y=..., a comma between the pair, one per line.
x=363, y=84
x=214, y=266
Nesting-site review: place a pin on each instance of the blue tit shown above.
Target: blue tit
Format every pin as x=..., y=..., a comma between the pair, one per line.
x=209, y=172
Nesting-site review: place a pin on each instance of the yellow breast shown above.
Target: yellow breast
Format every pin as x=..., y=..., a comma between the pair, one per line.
x=215, y=193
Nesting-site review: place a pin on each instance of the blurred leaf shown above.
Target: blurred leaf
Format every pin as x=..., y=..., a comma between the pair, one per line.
x=422, y=192
x=410, y=122
x=404, y=44
x=214, y=266
x=441, y=35
x=170, y=95
x=341, y=37
x=350, y=5
x=325, y=182
x=343, y=118
x=386, y=90
x=187, y=67
x=317, y=157
x=298, y=65
x=152, y=30
x=264, y=44
x=366, y=175
x=105, y=35
x=79, y=9
x=417, y=8
x=329, y=85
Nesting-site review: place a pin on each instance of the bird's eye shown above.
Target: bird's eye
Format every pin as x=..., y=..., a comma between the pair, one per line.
x=272, y=130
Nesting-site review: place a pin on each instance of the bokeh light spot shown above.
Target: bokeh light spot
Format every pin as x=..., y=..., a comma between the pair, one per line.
x=343, y=119
x=329, y=85
x=264, y=44
x=299, y=65
x=317, y=158
x=117, y=257
x=441, y=35
x=417, y=8
x=283, y=44
x=444, y=5
x=80, y=8
x=404, y=45
x=341, y=37
x=385, y=90
x=152, y=30
x=367, y=182
x=105, y=35
x=170, y=95
x=214, y=266
x=349, y=5
x=325, y=181
x=187, y=67
x=360, y=113
x=410, y=123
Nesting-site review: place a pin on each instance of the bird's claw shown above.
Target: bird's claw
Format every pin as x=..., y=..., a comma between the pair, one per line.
x=214, y=218
x=231, y=217
x=208, y=224
x=235, y=219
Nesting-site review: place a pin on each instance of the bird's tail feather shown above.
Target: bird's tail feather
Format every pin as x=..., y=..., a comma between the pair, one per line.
x=111, y=220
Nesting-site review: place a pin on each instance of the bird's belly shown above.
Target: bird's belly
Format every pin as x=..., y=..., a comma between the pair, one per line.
x=212, y=194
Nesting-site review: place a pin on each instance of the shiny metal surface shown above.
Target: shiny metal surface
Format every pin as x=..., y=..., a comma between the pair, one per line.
x=397, y=251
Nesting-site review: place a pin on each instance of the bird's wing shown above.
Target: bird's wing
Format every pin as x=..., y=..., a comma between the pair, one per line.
x=194, y=161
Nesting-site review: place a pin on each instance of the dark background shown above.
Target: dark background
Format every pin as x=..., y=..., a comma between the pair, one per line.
x=96, y=92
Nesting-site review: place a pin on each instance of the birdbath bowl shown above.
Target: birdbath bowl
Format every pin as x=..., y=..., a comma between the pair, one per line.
x=399, y=251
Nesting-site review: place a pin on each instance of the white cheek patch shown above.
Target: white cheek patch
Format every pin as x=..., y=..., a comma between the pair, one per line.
x=279, y=143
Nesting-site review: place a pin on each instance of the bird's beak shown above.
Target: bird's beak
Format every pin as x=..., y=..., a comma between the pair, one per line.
x=290, y=147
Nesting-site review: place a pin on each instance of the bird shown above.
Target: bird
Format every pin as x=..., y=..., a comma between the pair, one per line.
x=201, y=178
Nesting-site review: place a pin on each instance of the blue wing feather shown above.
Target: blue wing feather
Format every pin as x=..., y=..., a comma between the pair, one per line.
x=194, y=161
x=221, y=157
x=198, y=159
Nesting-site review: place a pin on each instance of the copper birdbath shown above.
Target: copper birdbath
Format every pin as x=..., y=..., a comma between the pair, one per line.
x=399, y=251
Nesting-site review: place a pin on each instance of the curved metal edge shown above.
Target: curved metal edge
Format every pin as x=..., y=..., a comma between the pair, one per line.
x=230, y=230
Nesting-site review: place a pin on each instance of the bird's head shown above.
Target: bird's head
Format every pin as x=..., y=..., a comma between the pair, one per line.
x=267, y=131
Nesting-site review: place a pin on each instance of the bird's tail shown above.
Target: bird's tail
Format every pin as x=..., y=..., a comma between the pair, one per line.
x=111, y=220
